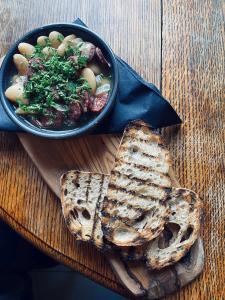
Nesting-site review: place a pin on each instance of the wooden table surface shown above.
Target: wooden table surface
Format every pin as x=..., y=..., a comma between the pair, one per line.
x=179, y=46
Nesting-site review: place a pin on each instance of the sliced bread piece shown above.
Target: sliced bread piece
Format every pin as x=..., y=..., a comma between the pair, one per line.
x=75, y=187
x=180, y=232
x=134, y=209
x=82, y=195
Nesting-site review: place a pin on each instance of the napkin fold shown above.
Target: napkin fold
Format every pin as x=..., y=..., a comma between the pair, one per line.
x=136, y=99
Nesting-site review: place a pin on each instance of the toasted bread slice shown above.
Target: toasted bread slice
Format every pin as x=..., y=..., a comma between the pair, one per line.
x=81, y=197
x=75, y=187
x=134, y=209
x=180, y=232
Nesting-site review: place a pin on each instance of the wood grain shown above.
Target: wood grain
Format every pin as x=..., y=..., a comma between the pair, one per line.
x=192, y=78
x=123, y=24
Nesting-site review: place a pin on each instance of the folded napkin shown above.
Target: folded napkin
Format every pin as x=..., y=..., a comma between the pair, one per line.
x=136, y=99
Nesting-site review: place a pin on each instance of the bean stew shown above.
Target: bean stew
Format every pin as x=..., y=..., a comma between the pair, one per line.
x=62, y=82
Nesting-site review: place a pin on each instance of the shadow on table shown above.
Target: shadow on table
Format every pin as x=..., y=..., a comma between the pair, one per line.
x=27, y=274
x=61, y=282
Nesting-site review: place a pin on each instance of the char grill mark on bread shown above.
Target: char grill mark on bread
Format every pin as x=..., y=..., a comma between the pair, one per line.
x=97, y=235
x=98, y=204
x=137, y=202
x=138, y=187
x=142, y=173
x=141, y=162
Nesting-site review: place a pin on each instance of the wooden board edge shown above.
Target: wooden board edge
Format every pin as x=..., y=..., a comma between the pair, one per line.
x=130, y=282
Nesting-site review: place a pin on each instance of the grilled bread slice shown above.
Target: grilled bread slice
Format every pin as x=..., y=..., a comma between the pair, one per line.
x=82, y=195
x=77, y=205
x=180, y=232
x=134, y=209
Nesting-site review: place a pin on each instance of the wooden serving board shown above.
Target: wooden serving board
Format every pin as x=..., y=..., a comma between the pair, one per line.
x=96, y=153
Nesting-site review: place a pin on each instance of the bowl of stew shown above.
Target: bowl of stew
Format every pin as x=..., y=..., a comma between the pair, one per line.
x=58, y=81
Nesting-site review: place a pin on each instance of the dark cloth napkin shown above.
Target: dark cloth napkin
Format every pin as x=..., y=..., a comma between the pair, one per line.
x=136, y=99
x=17, y=258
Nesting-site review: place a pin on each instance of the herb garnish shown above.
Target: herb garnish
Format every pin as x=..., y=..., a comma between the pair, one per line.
x=56, y=80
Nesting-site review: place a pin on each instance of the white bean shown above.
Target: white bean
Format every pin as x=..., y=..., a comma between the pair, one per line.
x=69, y=41
x=48, y=51
x=15, y=92
x=42, y=40
x=89, y=75
x=69, y=38
x=21, y=63
x=55, y=38
x=61, y=49
x=26, y=49
x=72, y=42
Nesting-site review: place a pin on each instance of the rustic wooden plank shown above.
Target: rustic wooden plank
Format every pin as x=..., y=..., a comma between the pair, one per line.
x=132, y=28
x=192, y=77
x=26, y=202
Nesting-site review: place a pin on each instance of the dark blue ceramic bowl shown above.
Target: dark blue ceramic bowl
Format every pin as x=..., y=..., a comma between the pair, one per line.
x=8, y=70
